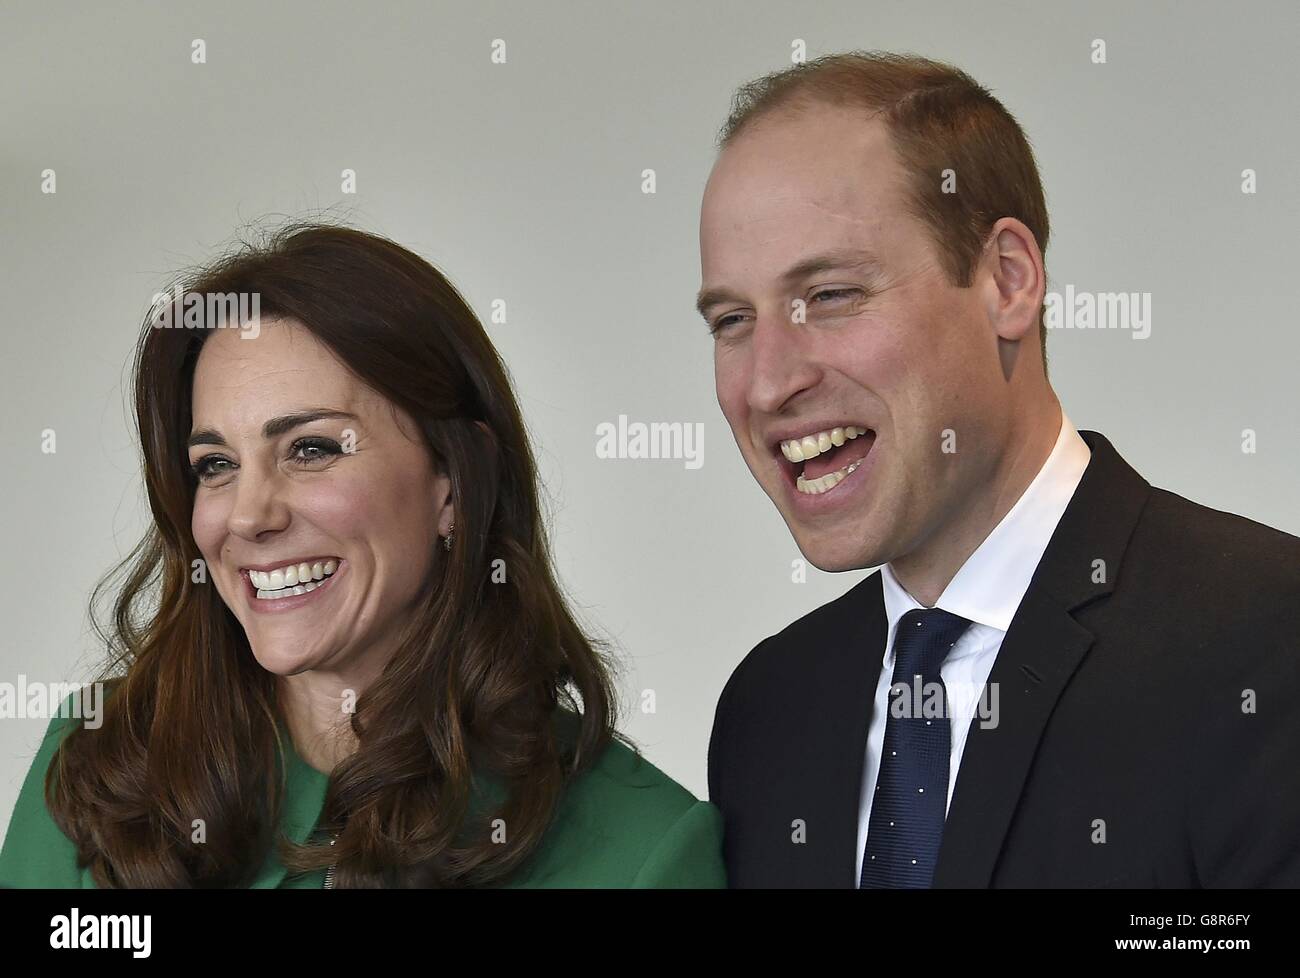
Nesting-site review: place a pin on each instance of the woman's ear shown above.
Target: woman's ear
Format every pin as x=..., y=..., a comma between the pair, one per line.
x=444, y=509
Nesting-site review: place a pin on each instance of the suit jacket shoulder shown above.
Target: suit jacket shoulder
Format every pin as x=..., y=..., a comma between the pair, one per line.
x=1243, y=559
x=801, y=645
x=792, y=663
x=785, y=754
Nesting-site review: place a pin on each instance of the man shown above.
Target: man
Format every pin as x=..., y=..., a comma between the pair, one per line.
x=1060, y=676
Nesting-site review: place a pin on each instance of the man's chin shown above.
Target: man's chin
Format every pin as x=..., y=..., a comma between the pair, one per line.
x=837, y=556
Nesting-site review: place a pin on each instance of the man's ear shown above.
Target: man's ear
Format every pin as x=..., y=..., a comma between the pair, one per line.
x=1014, y=266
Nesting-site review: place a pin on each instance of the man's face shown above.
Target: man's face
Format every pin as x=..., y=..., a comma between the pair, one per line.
x=808, y=210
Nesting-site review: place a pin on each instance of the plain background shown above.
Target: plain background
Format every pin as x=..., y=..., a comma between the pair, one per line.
x=522, y=181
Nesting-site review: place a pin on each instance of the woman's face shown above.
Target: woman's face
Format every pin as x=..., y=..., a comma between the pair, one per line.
x=300, y=465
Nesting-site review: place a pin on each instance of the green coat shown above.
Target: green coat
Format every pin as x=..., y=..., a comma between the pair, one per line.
x=622, y=823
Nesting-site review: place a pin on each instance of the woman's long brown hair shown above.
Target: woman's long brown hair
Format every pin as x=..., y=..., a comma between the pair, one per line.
x=485, y=671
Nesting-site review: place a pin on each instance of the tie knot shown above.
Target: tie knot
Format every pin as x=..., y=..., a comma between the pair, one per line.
x=924, y=638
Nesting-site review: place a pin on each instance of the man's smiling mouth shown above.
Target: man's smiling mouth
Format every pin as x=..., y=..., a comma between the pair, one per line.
x=821, y=460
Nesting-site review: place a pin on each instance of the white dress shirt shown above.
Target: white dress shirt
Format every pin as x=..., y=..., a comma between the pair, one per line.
x=987, y=590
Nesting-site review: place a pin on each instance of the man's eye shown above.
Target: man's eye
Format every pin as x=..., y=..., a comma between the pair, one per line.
x=722, y=322
x=825, y=295
x=831, y=294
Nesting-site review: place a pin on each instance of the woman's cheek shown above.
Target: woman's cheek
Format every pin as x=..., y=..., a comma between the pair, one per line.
x=206, y=525
x=339, y=507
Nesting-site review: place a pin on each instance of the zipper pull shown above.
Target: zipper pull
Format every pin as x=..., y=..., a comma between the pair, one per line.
x=329, y=873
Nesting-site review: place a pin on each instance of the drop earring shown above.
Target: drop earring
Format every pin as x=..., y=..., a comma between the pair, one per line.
x=446, y=541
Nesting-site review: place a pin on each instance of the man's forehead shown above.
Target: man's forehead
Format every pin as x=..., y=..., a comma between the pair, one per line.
x=839, y=215
x=767, y=176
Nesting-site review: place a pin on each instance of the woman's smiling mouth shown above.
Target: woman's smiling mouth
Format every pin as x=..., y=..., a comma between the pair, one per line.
x=286, y=585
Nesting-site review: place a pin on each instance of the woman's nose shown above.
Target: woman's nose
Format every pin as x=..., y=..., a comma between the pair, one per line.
x=260, y=505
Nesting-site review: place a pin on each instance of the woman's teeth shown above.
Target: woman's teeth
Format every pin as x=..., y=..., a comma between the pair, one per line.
x=291, y=579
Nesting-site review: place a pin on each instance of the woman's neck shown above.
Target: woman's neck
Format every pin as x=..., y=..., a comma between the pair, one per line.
x=317, y=711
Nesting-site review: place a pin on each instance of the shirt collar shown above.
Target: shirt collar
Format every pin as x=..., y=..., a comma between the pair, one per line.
x=989, y=586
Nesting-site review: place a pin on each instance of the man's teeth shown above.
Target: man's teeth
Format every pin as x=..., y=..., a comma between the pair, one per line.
x=829, y=481
x=291, y=579
x=810, y=446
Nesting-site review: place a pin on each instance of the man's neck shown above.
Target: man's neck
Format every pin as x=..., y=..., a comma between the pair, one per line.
x=928, y=569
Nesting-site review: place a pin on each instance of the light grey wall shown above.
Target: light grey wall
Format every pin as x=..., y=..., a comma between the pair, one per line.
x=523, y=182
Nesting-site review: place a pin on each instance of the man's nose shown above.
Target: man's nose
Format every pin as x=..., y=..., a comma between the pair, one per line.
x=781, y=365
x=260, y=504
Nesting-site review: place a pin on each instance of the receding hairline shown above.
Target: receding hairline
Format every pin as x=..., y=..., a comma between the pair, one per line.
x=794, y=105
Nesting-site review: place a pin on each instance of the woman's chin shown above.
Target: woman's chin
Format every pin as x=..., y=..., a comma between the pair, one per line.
x=283, y=659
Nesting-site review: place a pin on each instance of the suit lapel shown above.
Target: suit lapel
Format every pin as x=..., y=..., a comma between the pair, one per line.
x=846, y=688
x=1042, y=648
x=1041, y=651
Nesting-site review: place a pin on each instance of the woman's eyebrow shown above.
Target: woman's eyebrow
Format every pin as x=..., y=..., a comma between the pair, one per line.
x=273, y=428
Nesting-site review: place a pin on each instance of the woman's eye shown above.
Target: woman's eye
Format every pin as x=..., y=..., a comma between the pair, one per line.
x=314, y=449
x=304, y=451
x=206, y=468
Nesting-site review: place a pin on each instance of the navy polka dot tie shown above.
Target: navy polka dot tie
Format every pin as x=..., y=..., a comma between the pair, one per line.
x=911, y=795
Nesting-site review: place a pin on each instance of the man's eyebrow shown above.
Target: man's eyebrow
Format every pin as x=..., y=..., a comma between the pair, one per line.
x=831, y=261
x=273, y=428
x=708, y=298
x=827, y=262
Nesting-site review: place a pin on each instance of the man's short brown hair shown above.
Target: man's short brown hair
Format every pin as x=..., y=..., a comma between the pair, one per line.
x=939, y=119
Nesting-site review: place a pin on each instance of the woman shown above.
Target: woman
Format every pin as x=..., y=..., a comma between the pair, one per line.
x=340, y=657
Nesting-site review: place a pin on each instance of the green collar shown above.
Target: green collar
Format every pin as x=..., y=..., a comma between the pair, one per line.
x=304, y=799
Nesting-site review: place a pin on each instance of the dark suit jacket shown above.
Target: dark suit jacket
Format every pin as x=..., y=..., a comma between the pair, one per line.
x=1121, y=708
